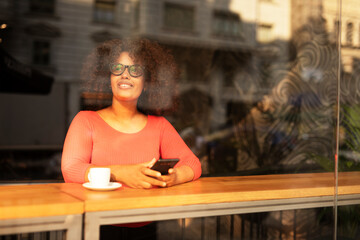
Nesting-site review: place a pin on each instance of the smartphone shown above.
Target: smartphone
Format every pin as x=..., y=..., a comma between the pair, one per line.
x=163, y=165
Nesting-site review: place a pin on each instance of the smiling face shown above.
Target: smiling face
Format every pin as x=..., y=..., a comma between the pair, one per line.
x=125, y=87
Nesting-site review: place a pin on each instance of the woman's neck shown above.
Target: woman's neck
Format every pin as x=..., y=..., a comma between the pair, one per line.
x=124, y=118
x=124, y=110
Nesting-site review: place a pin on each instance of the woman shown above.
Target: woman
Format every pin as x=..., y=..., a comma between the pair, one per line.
x=127, y=137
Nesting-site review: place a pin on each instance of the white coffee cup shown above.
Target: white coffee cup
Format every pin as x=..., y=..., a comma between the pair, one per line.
x=99, y=177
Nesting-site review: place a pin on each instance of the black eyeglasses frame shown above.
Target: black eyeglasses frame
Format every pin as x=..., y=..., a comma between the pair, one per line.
x=127, y=67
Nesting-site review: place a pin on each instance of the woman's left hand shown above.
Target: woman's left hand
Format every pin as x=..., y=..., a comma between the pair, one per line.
x=171, y=178
x=177, y=175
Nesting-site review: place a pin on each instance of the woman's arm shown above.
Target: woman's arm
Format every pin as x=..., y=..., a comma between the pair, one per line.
x=178, y=175
x=77, y=149
x=173, y=146
x=135, y=175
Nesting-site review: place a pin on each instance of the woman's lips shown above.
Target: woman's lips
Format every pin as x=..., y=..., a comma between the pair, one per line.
x=125, y=85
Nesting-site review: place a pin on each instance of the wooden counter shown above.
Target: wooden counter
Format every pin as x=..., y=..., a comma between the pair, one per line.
x=214, y=196
x=218, y=190
x=26, y=201
x=47, y=207
x=43, y=207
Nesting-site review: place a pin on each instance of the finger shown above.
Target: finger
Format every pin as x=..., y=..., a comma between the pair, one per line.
x=155, y=182
x=150, y=172
x=145, y=185
x=168, y=180
x=165, y=178
x=171, y=170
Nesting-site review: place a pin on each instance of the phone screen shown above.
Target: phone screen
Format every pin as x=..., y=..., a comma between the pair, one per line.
x=163, y=165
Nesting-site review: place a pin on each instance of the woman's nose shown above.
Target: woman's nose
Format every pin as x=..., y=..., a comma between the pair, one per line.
x=125, y=74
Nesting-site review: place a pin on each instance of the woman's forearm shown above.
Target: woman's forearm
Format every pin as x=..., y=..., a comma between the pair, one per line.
x=184, y=174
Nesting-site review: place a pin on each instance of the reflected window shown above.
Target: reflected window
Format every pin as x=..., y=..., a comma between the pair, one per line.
x=42, y=6
x=184, y=75
x=95, y=101
x=226, y=24
x=179, y=17
x=349, y=33
x=41, y=52
x=336, y=26
x=265, y=33
x=104, y=11
x=136, y=14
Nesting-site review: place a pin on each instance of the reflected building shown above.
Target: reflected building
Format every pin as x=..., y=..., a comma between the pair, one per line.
x=213, y=42
x=232, y=55
x=257, y=87
x=329, y=11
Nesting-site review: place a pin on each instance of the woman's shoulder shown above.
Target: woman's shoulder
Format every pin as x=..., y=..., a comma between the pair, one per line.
x=85, y=117
x=159, y=121
x=86, y=114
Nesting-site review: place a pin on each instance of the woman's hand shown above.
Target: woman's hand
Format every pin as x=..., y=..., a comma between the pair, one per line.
x=137, y=175
x=177, y=175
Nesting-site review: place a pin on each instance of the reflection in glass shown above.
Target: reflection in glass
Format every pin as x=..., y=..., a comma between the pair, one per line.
x=313, y=223
x=179, y=17
x=257, y=93
x=42, y=6
x=104, y=11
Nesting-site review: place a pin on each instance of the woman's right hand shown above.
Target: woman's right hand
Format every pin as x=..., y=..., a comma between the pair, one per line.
x=137, y=175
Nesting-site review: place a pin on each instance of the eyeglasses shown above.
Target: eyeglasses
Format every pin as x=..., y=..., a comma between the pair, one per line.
x=134, y=70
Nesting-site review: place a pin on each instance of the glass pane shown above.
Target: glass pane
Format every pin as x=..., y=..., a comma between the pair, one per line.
x=42, y=6
x=52, y=235
x=104, y=11
x=41, y=53
x=179, y=17
x=349, y=152
x=258, y=93
x=348, y=226
x=316, y=223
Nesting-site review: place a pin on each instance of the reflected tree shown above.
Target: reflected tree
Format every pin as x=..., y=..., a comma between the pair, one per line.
x=298, y=115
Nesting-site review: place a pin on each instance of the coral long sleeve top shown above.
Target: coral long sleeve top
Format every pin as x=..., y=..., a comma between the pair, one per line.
x=90, y=141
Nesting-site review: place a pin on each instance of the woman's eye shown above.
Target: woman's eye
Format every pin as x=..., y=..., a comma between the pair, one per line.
x=118, y=67
x=136, y=69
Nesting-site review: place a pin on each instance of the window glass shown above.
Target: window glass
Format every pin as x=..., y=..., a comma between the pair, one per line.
x=42, y=6
x=259, y=93
x=226, y=24
x=349, y=33
x=104, y=11
x=179, y=17
x=289, y=224
x=136, y=14
x=265, y=33
x=41, y=52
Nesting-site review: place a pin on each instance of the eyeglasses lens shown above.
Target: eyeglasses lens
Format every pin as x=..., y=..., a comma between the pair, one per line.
x=117, y=69
x=134, y=70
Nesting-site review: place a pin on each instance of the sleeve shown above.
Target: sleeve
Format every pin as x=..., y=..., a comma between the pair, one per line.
x=173, y=146
x=77, y=149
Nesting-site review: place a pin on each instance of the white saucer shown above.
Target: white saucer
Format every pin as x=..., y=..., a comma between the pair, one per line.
x=111, y=186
